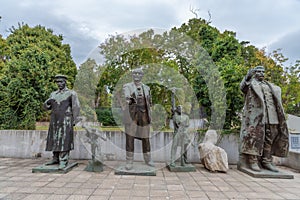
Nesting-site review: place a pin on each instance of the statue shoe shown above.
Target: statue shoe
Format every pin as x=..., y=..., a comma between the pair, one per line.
x=254, y=167
x=172, y=164
x=270, y=167
x=62, y=166
x=150, y=163
x=52, y=162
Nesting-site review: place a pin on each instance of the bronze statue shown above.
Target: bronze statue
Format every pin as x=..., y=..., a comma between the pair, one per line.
x=64, y=106
x=264, y=130
x=180, y=136
x=137, y=117
x=93, y=135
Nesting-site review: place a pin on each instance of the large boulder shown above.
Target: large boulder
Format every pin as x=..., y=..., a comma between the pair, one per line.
x=212, y=157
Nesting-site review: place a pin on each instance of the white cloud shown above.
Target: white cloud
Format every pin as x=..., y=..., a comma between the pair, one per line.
x=85, y=24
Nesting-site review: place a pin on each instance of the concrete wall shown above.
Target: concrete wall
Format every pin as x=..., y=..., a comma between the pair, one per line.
x=29, y=144
x=293, y=160
x=230, y=144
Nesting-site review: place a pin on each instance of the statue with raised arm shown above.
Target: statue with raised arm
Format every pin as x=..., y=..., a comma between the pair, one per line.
x=264, y=131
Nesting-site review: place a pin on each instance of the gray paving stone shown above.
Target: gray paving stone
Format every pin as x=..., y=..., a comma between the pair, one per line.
x=17, y=182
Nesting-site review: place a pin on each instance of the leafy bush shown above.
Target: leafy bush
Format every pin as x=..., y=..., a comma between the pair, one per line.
x=105, y=116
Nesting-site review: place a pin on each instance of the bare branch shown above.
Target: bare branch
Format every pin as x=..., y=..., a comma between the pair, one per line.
x=194, y=11
x=209, y=17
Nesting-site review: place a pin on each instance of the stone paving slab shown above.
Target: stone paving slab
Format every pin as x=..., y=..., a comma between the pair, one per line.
x=18, y=182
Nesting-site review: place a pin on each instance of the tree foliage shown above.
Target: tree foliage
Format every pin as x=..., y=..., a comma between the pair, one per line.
x=33, y=57
x=202, y=63
x=212, y=62
x=85, y=86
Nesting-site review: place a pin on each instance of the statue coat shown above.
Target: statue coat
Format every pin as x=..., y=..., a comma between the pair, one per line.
x=253, y=120
x=64, y=106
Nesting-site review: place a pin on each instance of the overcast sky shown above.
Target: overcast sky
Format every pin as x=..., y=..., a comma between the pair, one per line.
x=85, y=24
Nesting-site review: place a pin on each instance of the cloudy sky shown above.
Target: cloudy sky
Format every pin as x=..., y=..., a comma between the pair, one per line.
x=85, y=24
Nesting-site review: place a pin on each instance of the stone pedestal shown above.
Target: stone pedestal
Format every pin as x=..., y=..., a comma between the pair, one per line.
x=180, y=168
x=54, y=168
x=138, y=169
x=94, y=166
x=265, y=173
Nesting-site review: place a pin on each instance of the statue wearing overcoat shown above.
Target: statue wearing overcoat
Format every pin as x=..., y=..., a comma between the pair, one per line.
x=254, y=120
x=64, y=106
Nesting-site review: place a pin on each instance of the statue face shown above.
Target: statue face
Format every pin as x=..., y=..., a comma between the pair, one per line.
x=137, y=75
x=179, y=109
x=260, y=74
x=61, y=84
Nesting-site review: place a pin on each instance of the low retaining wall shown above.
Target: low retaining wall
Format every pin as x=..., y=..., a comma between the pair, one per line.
x=32, y=143
x=292, y=161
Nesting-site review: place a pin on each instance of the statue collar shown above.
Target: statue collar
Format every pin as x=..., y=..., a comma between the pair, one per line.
x=62, y=91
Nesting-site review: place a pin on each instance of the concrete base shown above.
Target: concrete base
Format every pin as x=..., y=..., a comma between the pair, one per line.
x=54, y=168
x=265, y=173
x=138, y=169
x=94, y=166
x=179, y=168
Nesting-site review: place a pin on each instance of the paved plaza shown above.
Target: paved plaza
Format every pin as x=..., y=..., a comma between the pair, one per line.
x=18, y=182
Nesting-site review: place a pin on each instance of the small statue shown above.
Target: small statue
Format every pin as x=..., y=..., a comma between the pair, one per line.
x=181, y=124
x=180, y=136
x=93, y=135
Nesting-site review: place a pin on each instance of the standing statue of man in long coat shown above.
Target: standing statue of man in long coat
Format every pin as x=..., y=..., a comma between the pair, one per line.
x=264, y=130
x=64, y=106
x=137, y=117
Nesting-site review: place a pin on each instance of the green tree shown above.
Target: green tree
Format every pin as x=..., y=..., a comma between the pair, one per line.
x=212, y=62
x=287, y=77
x=3, y=54
x=163, y=57
x=35, y=56
x=217, y=84
x=85, y=86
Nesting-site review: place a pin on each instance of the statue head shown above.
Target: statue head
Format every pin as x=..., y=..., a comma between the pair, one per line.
x=61, y=81
x=137, y=74
x=179, y=109
x=259, y=73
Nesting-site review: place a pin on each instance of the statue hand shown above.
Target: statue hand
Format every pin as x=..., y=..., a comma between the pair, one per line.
x=250, y=73
x=173, y=90
x=132, y=101
x=48, y=104
x=49, y=101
